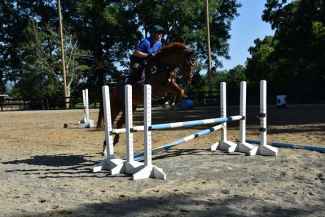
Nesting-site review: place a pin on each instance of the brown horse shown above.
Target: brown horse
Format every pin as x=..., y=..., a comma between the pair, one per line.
x=162, y=81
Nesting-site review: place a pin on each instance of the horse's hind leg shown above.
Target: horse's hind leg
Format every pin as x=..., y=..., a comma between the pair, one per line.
x=119, y=125
x=121, y=122
x=116, y=138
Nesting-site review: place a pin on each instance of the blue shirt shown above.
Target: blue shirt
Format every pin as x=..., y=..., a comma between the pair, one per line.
x=146, y=46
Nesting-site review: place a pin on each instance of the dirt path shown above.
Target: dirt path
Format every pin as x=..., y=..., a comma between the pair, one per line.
x=46, y=168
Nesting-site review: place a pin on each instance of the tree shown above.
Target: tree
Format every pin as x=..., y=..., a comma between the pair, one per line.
x=110, y=31
x=261, y=65
x=14, y=16
x=185, y=22
x=37, y=68
x=299, y=55
x=41, y=66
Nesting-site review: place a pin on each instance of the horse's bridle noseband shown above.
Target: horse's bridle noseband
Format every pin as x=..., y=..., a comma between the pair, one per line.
x=191, y=56
x=188, y=55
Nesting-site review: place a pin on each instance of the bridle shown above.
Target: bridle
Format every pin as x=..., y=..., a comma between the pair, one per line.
x=191, y=56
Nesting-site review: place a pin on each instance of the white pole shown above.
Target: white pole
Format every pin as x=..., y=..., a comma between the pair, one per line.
x=242, y=145
x=108, y=122
x=110, y=163
x=87, y=106
x=263, y=112
x=148, y=170
x=223, y=110
x=242, y=123
x=129, y=123
x=147, y=126
x=84, y=105
x=223, y=144
x=263, y=148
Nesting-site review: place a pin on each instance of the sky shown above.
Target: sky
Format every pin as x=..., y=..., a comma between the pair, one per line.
x=247, y=27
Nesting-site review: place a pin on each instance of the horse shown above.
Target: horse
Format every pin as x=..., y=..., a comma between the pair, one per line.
x=160, y=73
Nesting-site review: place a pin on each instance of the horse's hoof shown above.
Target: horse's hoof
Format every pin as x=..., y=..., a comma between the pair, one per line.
x=116, y=140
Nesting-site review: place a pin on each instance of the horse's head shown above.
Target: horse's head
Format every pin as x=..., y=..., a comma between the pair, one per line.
x=178, y=55
x=187, y=67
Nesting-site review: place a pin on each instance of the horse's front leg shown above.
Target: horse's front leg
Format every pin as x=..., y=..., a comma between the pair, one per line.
x=178, y=93
x=174, y=89
x=178, y=96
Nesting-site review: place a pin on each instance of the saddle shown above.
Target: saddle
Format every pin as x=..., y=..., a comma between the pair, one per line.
x=140, y=73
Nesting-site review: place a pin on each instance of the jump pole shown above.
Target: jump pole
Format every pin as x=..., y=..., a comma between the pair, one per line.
x=110, y=163
x=89, y=123
x=263, y=148
x=181, y=124
x=289, y=145
x=180, y=141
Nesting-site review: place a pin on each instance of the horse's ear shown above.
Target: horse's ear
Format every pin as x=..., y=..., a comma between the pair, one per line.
x=191, y=54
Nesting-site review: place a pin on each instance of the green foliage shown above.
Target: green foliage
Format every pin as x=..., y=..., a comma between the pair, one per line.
x=297, y=59
x=41, y=65
x=37, y=73
x=232, y=77
x=259, y=66
x=109, y=31
x=185, y=22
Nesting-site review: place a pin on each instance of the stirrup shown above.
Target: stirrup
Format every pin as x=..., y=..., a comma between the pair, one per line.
x=153, y=70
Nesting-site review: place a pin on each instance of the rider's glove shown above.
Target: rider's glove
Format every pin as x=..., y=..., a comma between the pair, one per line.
x=150, y=55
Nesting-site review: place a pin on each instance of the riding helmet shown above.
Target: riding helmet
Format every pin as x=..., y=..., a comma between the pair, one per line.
x=156, y=28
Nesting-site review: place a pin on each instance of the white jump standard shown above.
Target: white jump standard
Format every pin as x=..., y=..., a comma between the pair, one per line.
x=263, y=148
x=224, y=144
x=146, y=169
x=115, y=165
x=242, y=145
x=87, y=122
x=84, y=108
x=140, y=170
x=129, y=166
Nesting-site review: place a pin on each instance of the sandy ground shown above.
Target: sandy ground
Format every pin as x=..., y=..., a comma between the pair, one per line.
x=46, y=168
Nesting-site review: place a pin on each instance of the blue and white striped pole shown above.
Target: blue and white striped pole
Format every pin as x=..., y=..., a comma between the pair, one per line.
x=182, y=124
x=289, y=145
x=178, y=142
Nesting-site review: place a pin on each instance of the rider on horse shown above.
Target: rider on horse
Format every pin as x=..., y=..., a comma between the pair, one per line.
x=144, y=51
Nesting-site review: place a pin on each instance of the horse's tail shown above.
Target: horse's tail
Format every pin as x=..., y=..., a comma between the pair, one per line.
x=100, y=121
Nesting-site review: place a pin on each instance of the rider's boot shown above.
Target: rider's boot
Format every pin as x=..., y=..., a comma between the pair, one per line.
x=130, y=81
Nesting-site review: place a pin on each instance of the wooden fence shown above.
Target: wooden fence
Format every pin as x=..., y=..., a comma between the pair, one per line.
x=47, y=103
x=294, y=95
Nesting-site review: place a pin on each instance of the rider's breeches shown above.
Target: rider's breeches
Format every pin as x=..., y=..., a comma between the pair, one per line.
x=134, y=64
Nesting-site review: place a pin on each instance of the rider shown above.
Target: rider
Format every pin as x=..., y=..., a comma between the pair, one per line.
x=144, y=51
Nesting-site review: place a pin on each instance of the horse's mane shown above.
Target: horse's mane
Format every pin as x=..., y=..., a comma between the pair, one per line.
x=174, y=45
